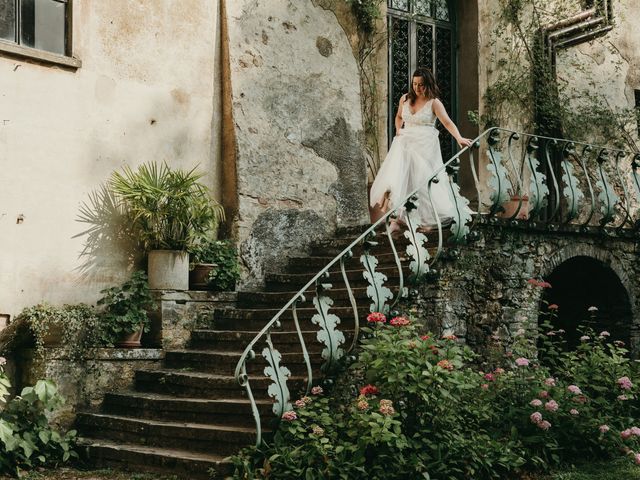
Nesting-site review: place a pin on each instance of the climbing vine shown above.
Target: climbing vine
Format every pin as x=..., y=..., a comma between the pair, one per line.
x=522, y=83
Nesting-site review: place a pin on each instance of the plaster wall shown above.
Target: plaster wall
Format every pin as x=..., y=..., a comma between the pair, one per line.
x=147, y=90
x=295, y=108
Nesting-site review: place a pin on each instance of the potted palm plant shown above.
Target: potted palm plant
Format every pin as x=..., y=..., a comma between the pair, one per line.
x=170, y=211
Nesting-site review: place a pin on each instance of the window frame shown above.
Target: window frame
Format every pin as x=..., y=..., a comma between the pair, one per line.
x=44, y=56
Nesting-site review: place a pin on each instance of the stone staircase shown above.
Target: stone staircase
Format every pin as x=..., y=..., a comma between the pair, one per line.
x=189, y=416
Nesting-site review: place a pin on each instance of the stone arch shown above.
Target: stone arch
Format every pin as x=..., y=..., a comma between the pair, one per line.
x=588, y=250
x=586, y=275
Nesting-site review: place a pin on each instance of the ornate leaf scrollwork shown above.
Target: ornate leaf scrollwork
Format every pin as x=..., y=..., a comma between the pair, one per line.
x=608, y=198
x=498, y=181
x=419, y=266
x=278, y=390
x=463, y=216
x=572, y=193
x=329, y=335
x=376, y=290
x=538, y=190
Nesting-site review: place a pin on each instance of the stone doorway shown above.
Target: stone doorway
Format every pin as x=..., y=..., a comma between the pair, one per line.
x=583, y=282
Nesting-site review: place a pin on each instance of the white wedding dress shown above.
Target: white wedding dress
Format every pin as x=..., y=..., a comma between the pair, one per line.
x=413, y=158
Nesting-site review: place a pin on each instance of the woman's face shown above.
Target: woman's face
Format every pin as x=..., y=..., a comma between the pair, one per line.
x=419, y=86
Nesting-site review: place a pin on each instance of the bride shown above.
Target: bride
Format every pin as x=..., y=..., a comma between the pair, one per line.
x=415, y=155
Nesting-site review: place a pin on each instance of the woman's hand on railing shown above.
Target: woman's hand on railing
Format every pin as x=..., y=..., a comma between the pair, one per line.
x=464, y=142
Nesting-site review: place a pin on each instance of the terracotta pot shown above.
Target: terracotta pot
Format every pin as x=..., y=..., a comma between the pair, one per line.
x=511, y=206
x=130, y=340
x=199, y=276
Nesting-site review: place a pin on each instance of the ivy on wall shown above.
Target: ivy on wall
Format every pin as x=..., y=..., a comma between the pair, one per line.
x=524, y=84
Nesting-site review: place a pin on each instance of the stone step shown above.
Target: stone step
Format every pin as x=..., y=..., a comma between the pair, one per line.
x=206, y=385
x=198, y=437
x=224, y=363
x=140, y=458
x=256, y=319
x=227, y=411
x=232, y=340
x=279, y=299
x=314, y=264
x=278, y=282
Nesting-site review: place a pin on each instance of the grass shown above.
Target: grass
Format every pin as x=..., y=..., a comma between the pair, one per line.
x=619, y=469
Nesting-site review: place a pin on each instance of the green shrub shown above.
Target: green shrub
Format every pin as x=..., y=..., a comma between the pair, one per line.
x=27, y=440
x=452, y=421
x=223, y=254
x=124, y=308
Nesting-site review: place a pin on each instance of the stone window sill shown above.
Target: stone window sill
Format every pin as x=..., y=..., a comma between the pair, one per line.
x=39, y=55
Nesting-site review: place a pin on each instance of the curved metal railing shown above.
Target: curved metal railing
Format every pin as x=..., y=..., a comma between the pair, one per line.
x=522, y=180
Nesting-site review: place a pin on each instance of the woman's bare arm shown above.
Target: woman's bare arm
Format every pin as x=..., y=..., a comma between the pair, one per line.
x=398, y=119
x=443, y=116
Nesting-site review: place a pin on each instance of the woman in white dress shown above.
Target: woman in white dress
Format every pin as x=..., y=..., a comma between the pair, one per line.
x=415, y=155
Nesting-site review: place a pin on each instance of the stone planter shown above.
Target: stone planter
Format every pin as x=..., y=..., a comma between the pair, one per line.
x=511, y=206
x=199, y=276
x=168, y=270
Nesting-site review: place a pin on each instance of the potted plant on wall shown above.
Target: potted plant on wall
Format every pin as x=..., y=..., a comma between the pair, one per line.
x=171, y=212
x=215, y=266
x=124, y=315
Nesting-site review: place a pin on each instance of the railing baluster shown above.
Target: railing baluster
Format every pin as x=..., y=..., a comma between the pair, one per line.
x=625, y=203
x=556, y=187
x=571, y=191
x=419, y=266
x=303, y=345
x=607, y=196
x=329, y=335
x=518, y=174
x=538, y=190
x=592, y=196
x=402, y=291
x=499, y=181
x=279, y=375
x=376, y=291
x=635, y=177
x=354, y=305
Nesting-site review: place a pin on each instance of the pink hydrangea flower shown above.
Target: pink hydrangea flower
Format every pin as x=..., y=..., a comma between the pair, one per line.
x=3, y=361
x=585, y=338
x=363, y=405
x=386, y=407
x=592, y=309
x=543, y=394
x=550, y=382
x=376, y=317
x=622, y=398
x=449, y=337
x=499, y=371
x=485, y=386
x=544, y=425
x=544, y=284
x=604, y=333
x=553, y=306
x=603, y=428
x=300, y=403
x=625, y=383
x=489, y=377
x=522, y=362
x=536, y=417
x=399, y=322
x=561, y=330
x=317, y=390
x=618, y=343
x=636, y=458
x=574, y=389
x=626, y=434
x=289, y=416
x=535, y=402
x=317, y=430
x=551, y=406
x=573, y=411
x=551, y=333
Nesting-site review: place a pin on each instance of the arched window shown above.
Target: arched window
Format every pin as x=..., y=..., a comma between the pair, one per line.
x=421, y=33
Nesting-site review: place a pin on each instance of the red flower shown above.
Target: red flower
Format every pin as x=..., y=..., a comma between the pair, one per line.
x=376, y=317
x=369, y=390
x=425, y=337
x=489, y=377
x=553, y=306
x=544, y=285
x=532, y=281
x=399, y=322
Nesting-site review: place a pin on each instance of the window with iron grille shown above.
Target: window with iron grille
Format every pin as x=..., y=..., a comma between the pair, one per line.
x=637, y=92
x=38, y=24
x=422, y=34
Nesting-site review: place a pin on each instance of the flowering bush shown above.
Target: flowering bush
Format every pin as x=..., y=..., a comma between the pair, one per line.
x=423, y=406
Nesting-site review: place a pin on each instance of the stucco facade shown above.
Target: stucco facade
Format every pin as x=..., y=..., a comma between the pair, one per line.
x=147, y=90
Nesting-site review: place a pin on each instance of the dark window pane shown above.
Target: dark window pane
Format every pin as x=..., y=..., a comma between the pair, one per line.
x=442, y=10
x=399, y=52
x=399, y=4
x=444, y=77
x=423, y=7
x=8, y=20
x=424, y=45
x=43, y=25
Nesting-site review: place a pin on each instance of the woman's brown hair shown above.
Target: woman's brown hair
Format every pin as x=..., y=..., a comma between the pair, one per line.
x=429, y=82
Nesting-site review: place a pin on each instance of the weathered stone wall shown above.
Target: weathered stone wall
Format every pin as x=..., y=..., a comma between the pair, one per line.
x=83, y=384
x=295, y=101
x=484, y=290
x=147, y=90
